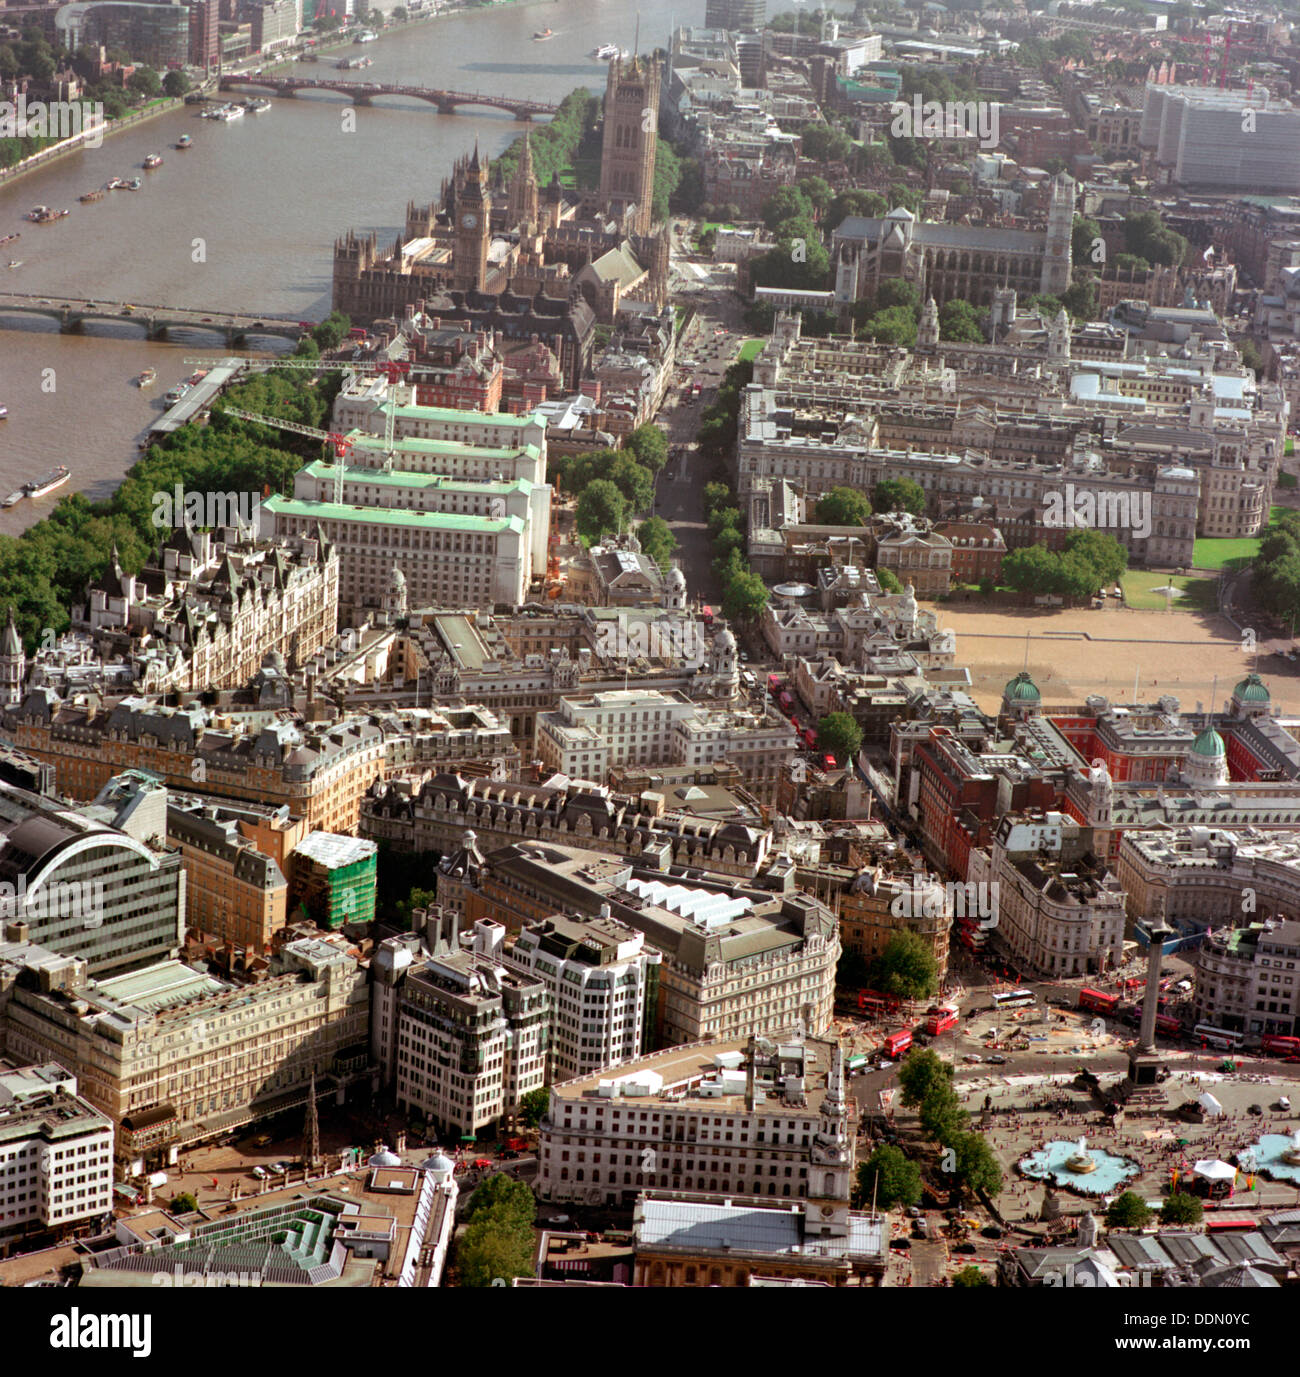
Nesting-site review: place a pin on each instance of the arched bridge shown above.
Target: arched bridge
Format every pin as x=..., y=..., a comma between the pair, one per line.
x=364, y=92
x=73, y=312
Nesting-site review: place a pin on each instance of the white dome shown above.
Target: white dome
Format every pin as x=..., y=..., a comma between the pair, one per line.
x=725, y=640
x=385, y=1158
x=438, y=1163
x=676, y=579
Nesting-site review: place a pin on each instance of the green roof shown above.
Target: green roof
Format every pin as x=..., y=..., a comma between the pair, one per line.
x=1021, y=689
x=411, y=478
x=1251, y=690
x=390, y=516
x=1209, y=744
x=420, y=444
x=466, y=418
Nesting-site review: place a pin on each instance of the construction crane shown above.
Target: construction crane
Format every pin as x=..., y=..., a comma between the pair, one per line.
x=340, y=443
x=393, y=369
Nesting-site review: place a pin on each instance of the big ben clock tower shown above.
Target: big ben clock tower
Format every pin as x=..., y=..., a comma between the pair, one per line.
x=473, y=210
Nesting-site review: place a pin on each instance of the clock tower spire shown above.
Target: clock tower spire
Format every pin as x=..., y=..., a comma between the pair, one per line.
x=473, y=210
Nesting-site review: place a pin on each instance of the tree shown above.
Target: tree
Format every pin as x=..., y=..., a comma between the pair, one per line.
x=894, y=325
x=657, y=541
x=839, y=735
x=184, y=1203
x=785, y=203
x=1105, y=556
x=716, y=495
x=818, y=191
x=1128, y=1211
x=723, y=518
x=977, y=1168
x=649, y=446
x=899, y=495
x=970, y=1275
x=399, y=14
x=306, y=348
x=505, y=1198
x=888, y=581
x=602, y=508
x=145, y=82
x=942, y=1117
x=1181, y=1208
x=854, y=201
x=906, y=967
x=919, y=1073
x=825, y=143
x=636, y=483
x=1032, y=569
x=332, y=331
x=490, y=1254
x=843, y=507
x=745, y=598
x=959, y=322
x=175, y=84
x=533, y=1107
x=890, y=1177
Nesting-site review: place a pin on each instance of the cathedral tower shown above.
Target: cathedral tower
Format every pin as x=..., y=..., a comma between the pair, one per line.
x=523, y=190
x=1057, y=264
x=627, y=154
x=473, y=207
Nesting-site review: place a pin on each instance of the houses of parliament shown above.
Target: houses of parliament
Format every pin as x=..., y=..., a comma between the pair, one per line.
x=521, y=255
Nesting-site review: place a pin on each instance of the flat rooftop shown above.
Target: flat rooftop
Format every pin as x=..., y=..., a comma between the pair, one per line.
x=161, y=986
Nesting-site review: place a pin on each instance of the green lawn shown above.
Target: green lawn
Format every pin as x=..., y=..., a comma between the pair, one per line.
x=1138, y=586
x=751, y=349
x=1224, y=553
x=1290, y=445
x=1287, y=480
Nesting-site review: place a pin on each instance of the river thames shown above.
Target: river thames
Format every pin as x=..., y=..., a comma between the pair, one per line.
x=246, y=218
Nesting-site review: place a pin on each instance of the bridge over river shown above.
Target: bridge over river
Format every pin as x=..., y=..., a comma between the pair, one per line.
x=364, y=93
x=72, y=313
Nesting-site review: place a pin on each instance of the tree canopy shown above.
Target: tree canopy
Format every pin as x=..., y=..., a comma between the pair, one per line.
x=889, y=1178
x=839, y=735
x=843, y=506
x=906, y=967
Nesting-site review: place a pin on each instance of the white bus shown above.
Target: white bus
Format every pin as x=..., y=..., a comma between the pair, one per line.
x=1013, y=999
x=1220, y=1039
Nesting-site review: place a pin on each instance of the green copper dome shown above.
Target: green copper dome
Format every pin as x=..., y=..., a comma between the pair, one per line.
x=1021, y=689
x=1251, y=690
x=1209, y=744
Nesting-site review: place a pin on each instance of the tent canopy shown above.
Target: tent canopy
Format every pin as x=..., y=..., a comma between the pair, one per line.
x=1210, y=1105
x=1214, y=1170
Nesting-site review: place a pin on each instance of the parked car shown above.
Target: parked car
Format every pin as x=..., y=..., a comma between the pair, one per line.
x=261, y=1173
x=509, y=1154
x=997, y=1059
x=280, y=1167
x=1284, y=1103
x=973, y=1057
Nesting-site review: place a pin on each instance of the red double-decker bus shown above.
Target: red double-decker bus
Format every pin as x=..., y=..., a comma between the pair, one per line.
x=898, y=1043
x=1098, y=1001
x=940, y=1022
x=1275, y=1045
x=785, y=700
x=873, y=1001
x=1168, y=1025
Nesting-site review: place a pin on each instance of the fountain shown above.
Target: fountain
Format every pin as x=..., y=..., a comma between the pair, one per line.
x=1075, y=1166
x=1276, y=1155
x=1081, y=1162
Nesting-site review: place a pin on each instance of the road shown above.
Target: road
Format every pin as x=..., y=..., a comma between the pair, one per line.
x=679, y=493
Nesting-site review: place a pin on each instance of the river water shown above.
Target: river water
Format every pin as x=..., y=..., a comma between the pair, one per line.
x=246, y=218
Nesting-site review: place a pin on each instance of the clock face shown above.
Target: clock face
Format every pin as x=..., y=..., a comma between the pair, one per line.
x=469, y=221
